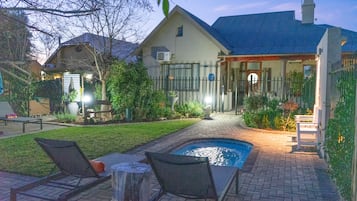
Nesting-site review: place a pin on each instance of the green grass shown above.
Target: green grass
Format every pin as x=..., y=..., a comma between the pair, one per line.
x=22, y=155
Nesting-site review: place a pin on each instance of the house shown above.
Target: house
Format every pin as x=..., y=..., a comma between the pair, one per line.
x=236, y=55
x=76, y=55
x=35, y=69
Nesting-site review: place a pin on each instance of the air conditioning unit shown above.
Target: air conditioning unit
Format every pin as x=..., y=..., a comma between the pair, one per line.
x=163, y=56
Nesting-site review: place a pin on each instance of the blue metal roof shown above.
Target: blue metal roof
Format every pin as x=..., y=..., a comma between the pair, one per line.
x=273, y=33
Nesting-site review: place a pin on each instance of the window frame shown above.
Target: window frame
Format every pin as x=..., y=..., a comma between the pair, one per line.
x=182, y=76
x=179, y=32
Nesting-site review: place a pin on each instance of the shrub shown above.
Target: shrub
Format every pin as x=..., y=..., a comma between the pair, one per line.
x=250, y=119
x=65, y=117
x=278, y=122
x=288, y=123
x=130, y=87
x=340, y=135
x=156, y=106
x=261, y=112
x=253, y=103
x=265, y=122
x=190, y=109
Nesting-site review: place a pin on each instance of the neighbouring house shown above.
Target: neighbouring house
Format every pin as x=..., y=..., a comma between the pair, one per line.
x=76, y=59
x=35, y=68
x=236, y=55
x=76, y=55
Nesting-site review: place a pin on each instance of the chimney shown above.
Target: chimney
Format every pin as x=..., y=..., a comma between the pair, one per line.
x=308, y=12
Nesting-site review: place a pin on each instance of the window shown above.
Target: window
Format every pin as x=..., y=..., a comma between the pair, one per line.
x=253, y=66
x=266, y=76
x=182, y=76
x=179, y=31
x=309, y=71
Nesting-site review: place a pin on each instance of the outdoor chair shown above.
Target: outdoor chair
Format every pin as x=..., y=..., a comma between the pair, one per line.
x=191, y=177
x=308, y=129
x=7, y=114
x=75, y=175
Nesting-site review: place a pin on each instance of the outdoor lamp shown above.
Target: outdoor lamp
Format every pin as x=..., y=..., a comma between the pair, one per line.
x=207, y=108
x=87, y=98
x=208, y=100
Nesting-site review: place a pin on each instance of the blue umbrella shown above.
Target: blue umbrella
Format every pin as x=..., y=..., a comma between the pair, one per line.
x=1, y=85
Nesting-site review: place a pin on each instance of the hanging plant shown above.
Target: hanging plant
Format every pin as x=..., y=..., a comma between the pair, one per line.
x=70, y=97
x=72, y=93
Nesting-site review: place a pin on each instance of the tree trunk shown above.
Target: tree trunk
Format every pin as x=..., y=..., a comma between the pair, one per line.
x=105, y=116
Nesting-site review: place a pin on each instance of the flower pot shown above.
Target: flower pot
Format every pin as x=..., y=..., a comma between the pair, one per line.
x=173, y=100
x=72, y=108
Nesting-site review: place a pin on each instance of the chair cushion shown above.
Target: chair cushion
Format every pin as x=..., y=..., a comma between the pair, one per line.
x=98, y=166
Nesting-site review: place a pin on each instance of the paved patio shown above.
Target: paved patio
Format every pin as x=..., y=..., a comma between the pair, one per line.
x=274, y=171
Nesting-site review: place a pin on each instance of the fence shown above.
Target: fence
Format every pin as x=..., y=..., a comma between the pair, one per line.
x=301, y=91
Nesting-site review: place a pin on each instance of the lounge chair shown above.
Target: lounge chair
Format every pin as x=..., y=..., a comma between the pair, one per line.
x=191, y=177
x=5, y=109
x=75, y=175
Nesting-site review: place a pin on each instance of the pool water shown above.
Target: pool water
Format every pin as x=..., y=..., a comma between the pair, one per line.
x=220, y=152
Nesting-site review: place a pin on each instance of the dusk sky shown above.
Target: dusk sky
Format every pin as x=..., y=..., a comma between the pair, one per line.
x=340, y=13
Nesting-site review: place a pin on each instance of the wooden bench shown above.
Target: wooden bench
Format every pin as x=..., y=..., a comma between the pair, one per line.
x=92, y=113
x=307, y=129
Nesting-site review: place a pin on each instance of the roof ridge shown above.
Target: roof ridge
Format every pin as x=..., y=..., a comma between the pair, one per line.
x=208, y=28
x=251, y=14
x=86, y=37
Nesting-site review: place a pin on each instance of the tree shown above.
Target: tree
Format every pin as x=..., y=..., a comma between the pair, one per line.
x=15, y=45
x=62, y=8
x=130, y=88
x=15, y=48
x=46, y=18
x=115, y=19
x=15, y=42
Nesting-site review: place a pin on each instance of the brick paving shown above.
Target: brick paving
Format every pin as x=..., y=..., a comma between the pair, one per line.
x=274, y=170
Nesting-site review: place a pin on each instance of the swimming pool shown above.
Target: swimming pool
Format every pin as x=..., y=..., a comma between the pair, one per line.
x=221, y=152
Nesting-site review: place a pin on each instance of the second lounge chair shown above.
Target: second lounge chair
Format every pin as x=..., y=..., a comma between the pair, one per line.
x=191, y=177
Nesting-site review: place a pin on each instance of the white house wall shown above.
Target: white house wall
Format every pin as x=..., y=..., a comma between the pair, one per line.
x=329, y=52
x=193, y=47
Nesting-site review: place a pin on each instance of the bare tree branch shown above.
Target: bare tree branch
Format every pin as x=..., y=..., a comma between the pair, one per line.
x=62, y=13
x=27, y=25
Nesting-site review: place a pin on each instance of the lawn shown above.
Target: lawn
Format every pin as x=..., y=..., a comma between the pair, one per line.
x=22, y=155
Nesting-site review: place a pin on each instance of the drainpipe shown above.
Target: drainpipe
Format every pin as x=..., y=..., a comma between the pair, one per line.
x=216, y=86
x=222, y=97
x=221, y=60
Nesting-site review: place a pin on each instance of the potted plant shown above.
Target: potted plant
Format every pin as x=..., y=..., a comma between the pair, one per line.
x=69, y=98
x=173, y=98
